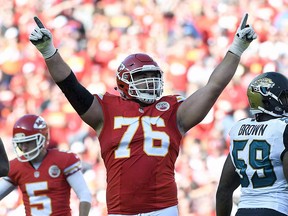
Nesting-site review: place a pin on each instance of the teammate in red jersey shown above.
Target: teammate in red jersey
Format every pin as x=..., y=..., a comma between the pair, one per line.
x=44, y=176
x=140, y=131
x=4, y=162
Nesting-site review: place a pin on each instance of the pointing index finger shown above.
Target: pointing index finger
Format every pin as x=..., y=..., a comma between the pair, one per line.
x=38, y=22
x=244, y=21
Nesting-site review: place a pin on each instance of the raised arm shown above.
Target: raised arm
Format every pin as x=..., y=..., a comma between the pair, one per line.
x=196, y=106
x=4, y=162
x=84, y=103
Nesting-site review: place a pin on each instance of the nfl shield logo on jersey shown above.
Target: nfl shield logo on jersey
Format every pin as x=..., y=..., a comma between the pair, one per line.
x=36, y=174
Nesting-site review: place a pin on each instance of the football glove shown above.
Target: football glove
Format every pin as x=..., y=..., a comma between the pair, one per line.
x=42, y=39
x=244, y=36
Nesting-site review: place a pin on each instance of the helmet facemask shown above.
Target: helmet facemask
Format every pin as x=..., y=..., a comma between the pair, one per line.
x=147, y=89
x=32, y=132
x=140, y=78
x=40, y=141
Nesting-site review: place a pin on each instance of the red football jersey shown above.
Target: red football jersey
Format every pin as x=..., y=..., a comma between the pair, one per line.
x=139, y=146
x=45, y=190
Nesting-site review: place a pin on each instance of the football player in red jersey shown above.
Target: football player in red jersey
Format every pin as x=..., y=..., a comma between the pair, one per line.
x=4, y=162
x=140, y=130
x=44, y=176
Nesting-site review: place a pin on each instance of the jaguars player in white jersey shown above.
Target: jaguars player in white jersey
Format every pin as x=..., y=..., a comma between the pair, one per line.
x=258, y=159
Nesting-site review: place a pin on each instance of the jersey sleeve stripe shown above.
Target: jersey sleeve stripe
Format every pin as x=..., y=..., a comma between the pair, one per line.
x=72, y=169
x=180, y=98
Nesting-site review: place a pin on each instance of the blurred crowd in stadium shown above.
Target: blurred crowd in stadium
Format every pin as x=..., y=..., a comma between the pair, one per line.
x=186, y=37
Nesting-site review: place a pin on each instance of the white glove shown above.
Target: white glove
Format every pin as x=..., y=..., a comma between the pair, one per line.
x=42, y=39
x=244, y=36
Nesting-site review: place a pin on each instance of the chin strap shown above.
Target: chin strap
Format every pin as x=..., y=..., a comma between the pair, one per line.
x=270, y=113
